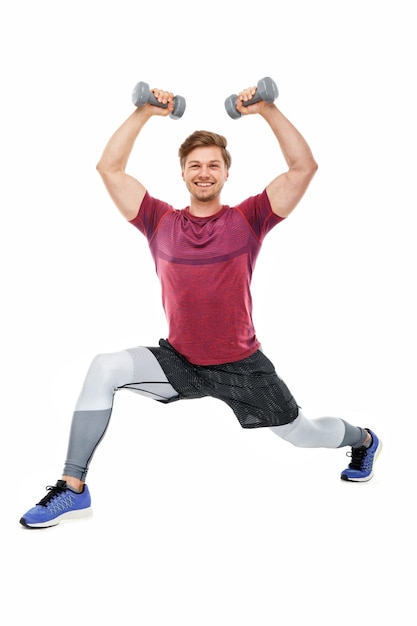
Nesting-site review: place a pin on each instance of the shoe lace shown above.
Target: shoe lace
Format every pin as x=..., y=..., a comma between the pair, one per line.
x=358, y=456
x=53, y=492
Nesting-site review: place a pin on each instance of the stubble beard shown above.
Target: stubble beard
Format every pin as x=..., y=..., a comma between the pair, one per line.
x=204, y=197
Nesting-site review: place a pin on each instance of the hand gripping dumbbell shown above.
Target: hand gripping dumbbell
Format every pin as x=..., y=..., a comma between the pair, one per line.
x=266, y=90
x=142, y=94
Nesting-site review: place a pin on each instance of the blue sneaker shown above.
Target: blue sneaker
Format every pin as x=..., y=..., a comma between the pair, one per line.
x=361, y=467
x=61, y=503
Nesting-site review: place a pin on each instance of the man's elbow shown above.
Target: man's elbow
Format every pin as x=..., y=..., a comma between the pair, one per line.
x=309, y=170
x=105, y=169
x=312, y=168
x=101, y=168
x=306, y=170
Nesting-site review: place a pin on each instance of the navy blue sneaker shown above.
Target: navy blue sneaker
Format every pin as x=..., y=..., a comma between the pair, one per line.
x=60, y=504
x=361, y=467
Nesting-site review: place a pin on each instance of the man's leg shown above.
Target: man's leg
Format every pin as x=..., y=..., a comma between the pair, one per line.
x=333, y=432
x=136, y=369
x=323, y=432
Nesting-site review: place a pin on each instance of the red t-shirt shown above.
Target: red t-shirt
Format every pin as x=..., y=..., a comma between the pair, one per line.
x=205, y=266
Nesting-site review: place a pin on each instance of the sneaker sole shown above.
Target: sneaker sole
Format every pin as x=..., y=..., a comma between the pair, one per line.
x=65, y=517
x=367, y=478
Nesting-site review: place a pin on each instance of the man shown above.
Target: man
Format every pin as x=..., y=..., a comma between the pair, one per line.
x=204, y=257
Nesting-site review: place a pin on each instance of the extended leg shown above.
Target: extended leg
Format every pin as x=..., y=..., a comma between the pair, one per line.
x=323, y=432
x=333, y=432
x=136, y=369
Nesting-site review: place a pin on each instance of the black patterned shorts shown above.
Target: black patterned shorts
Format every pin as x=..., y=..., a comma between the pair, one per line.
x=250, y=387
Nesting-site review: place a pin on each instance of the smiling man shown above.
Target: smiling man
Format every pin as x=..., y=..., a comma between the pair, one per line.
x=204, y=256
x=205, y=170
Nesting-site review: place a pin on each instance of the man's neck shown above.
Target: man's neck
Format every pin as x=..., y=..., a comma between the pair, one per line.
x=205, y=209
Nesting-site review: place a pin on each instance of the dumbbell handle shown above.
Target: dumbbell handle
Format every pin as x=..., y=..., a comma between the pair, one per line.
x=153, y=100
x=256, y=98
x=267, y=90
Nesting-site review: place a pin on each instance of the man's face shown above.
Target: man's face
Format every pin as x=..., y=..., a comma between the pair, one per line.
x=205, y=173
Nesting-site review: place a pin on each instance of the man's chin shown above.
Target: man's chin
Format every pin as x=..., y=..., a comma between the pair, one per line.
x=205, y=197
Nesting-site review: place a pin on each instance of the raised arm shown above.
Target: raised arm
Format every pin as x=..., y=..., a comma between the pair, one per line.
x=286, y=190
x=126, y=192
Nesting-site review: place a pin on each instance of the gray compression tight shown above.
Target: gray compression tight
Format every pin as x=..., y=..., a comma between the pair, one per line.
x=138, y=370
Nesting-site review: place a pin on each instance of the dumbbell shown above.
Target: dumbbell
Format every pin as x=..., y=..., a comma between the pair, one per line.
x=142, y=94
x=267, y=90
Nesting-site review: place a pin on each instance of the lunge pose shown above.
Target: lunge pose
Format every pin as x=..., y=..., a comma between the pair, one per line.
x=204, y=256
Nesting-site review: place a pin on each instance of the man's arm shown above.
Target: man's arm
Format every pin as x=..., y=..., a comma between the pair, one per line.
x=126, y=192
x=287, y=189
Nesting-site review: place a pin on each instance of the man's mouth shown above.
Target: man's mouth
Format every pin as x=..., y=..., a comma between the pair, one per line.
x=204, y=184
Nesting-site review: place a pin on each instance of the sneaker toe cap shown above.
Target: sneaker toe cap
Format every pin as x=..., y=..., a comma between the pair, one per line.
x=36, y=515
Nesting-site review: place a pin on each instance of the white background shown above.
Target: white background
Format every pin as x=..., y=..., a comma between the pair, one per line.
x=197, y=521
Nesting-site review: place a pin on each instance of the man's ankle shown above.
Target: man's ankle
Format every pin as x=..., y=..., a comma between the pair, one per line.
x=75, y=483
x=368, y=441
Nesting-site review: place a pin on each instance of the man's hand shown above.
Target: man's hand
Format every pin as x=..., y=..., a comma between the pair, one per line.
x=164, y=97
x=245, y=96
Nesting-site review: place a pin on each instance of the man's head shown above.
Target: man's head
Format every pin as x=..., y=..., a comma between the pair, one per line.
x=205, y=163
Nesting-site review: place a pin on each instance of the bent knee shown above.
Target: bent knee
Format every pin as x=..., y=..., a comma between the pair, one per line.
x=114, y=367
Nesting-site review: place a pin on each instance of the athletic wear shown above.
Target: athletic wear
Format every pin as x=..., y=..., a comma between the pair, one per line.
x=250, y=386
x=361, y=468
x=135, y=369
x=322, y=432
x=59, y=505
x=205, y=267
